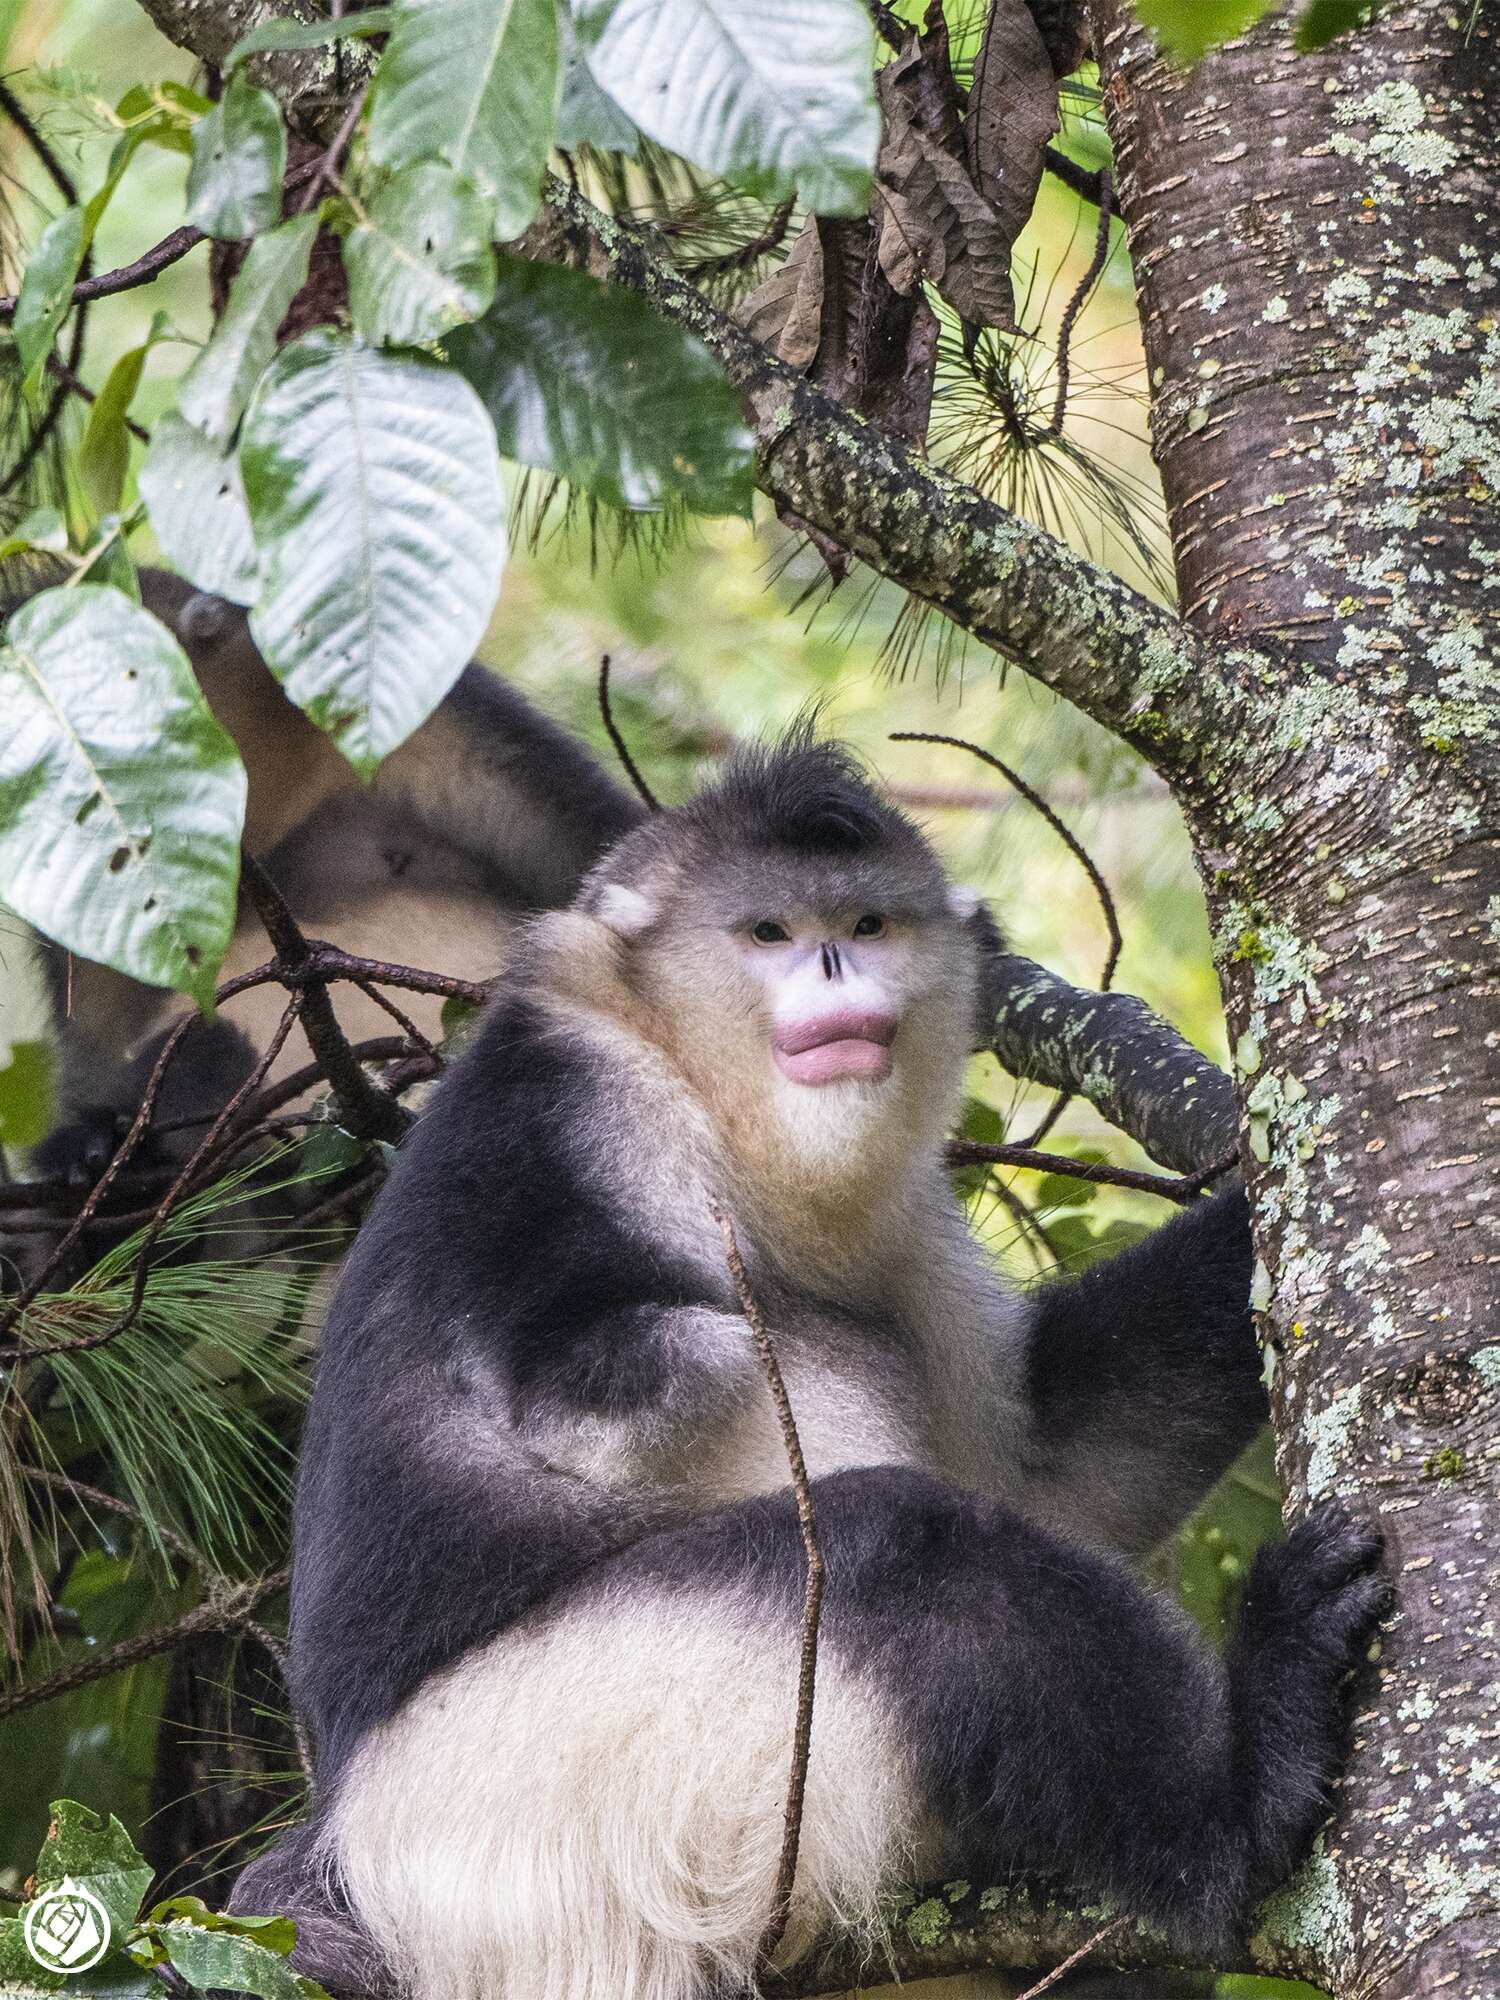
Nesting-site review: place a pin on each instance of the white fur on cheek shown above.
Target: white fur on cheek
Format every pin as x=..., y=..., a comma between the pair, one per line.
x=591, y=1809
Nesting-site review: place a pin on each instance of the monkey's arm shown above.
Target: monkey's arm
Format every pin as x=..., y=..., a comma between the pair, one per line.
x=1143, y=1379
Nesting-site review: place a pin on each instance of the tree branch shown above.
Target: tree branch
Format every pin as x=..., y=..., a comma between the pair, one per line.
x=365, y=1109
x=1136, y=1071
x=962, y=1927
x=1126, y=661
x=147, y=267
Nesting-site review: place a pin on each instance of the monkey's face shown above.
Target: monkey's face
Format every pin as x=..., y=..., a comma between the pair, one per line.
x=789, y=940
x=824, y=1013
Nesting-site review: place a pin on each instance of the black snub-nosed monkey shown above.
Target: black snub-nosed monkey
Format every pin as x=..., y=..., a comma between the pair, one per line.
x=548, y=1575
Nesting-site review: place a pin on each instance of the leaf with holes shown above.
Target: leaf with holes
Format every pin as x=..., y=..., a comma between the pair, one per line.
x=239, y=158
x=196, y=500
x=121, y=798
x=582, y=379
x=420, y=262
x=475, y=83
x=375, y=498
x=777, y=94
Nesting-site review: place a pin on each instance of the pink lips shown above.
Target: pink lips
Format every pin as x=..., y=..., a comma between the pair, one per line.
x=835, y=1046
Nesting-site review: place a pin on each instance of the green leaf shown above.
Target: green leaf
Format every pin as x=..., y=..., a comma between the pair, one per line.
x=779, y=94
x=1188, y=29
x=98, y=1854
x=26, y=1094
x=43, y=529
x=220, y=1958
x=475, y=83
x=239, y=159
x=308, y=34
x=22, y=1978
x=374, y=491
x=217, y=387
x=121, y=798
x=582, y=379
x=278, y=1934
x=1321, y=20
x=420, y=262
x=104, y=456
x=196, y=500
x=47, y=290
x=587, y=115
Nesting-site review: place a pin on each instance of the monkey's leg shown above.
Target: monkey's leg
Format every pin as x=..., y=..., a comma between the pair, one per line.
x=332, y=1948
x=591, y=1805
x=1143, y=1379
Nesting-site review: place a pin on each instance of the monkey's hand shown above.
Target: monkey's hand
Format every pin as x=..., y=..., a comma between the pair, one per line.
x=1309, y=1614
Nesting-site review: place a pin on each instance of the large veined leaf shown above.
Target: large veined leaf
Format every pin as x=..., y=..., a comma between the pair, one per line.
x=582, y=379
x=217, y=387
x=121, y=798
x=475, y=83
x=374, y=490
x=196, y=500
x=420, y=262
x=778, y=94
x=239, y=158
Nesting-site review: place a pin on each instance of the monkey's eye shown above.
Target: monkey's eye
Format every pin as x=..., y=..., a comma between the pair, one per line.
x=769, y=932
x=872, y=925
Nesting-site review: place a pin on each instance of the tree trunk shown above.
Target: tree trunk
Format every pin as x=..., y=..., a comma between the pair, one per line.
x=1317, y=250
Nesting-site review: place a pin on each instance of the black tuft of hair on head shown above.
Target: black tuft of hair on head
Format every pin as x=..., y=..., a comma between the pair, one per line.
x=800, y=795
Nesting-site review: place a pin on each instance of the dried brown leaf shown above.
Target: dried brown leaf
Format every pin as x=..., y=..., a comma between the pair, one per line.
x=936, y=225
x=1012, y=113
x=785, y=313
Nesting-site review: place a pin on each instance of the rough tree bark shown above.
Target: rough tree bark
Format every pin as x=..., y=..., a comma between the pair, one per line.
x=1317, y=248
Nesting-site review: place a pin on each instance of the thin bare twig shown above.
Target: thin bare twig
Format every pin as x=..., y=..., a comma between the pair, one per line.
x=1058, y=1972
x=328, y=166
x=150, y=264
x=1064, y=833
x=365, y=1108
x=812, y=1606
x=1171, y=1187
x=622, y=748
x=226, y=1608
x=31, y=132
x=729, y=261
x=1080, y=853
x=1075, y=306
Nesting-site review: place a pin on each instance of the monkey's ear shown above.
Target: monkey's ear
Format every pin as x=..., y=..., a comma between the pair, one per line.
x=625, y=911
x=989, y=947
